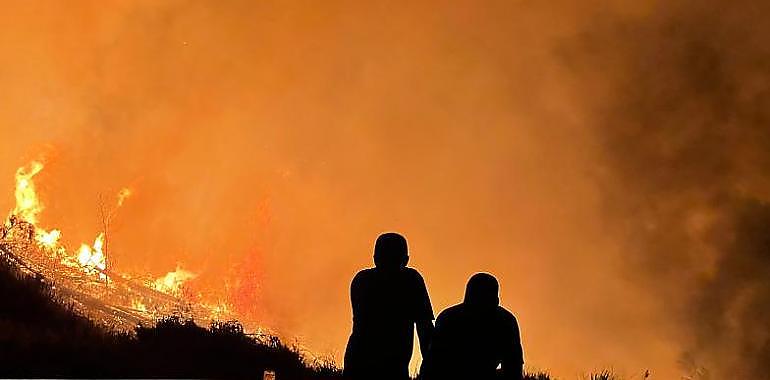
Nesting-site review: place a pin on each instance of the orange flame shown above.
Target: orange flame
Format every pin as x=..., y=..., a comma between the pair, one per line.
x=27, y=203
x=47, y=239
x=92, y=258
x=172, y=282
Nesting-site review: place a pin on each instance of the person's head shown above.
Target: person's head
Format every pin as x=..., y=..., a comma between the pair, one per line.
x=390, y=251
x=482, y=291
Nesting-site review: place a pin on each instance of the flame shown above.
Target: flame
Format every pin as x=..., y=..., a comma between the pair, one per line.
x=92, y=258
x=27, y=203
x=219, y=310
x=138, y=305
x=47, y=239
x=172, y=282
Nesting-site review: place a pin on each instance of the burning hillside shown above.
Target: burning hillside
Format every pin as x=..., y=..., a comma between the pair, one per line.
x=83, y=277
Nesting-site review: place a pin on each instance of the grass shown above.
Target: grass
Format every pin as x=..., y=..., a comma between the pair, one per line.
x=604, y=375
x=537, y=376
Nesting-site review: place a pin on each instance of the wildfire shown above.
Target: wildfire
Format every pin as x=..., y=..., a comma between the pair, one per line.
x=25, y=217
x=27, y=203
x=28, y=206
x=138, y=305
x=92, y=258
x=172, y=282
x=220, y=309
x=47, y=239
x=21, y=231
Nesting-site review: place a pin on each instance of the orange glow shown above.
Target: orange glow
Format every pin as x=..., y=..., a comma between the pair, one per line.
x=172, y=282
x=48, y=239
x=264, y=144
x=92, y=258
x=27, y=203
x=123, y=195
x=139, y=306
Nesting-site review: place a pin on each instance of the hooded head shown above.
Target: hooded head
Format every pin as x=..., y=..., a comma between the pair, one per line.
x=390, y=251
x=482, y=291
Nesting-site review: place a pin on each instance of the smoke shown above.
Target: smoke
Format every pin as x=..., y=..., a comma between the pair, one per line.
x=603, y=160
x=682, y=106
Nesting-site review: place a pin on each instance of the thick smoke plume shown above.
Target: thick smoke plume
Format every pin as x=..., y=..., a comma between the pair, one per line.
x=684, y=126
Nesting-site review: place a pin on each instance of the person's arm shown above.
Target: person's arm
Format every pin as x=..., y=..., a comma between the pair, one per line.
x=352, y=350
x=425, y=335
x=357, y=298
x=429, y=355
x=423, y=315
x=512, y=365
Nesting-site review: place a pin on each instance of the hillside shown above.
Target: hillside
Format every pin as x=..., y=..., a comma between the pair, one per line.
x=41, y=336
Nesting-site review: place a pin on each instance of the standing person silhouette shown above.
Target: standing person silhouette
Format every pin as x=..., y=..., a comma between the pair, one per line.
x=474, y=337
x=388, y=301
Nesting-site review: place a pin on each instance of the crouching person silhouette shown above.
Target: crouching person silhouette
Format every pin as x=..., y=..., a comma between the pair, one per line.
x=471, y=339
x=388, y=301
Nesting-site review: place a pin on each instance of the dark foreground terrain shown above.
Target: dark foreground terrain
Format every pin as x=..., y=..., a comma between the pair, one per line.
x=42, y=337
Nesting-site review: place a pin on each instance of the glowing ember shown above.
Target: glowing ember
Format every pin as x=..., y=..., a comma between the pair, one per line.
x=138, y=305
x=219, y=310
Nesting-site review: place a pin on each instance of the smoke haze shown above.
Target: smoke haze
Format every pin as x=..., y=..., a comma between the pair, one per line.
x=686, y=144
x=605, y=160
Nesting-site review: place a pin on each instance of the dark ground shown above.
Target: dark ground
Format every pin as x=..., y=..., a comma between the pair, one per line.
x=42, y=337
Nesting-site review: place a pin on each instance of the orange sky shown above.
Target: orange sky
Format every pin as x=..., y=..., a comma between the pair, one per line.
x=269, y=143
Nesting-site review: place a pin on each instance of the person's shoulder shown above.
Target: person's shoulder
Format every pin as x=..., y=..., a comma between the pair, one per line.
x=505, y=316
x=503, y=312
x=413, y=274
x=451, y=312
x=363, y=274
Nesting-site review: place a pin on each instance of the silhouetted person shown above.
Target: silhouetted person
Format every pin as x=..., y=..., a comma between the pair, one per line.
x=471, y=339
x=388, y=301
